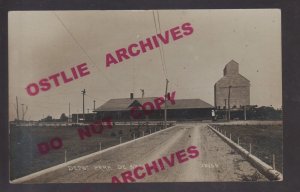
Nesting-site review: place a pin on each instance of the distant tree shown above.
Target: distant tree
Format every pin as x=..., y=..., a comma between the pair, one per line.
x=264, y=113
x=48, y=118
x=63, y=117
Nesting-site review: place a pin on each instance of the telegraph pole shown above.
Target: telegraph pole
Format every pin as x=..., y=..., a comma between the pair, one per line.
x=22, y=112
x=17, y=109
x=83, y=93
x=166, y=92
x=226, y=111
x=143, y=92
x=228, y=99
x=77, y=116
x=229, y=103
x=245, y=113
x=94, y=105
x=69, y=112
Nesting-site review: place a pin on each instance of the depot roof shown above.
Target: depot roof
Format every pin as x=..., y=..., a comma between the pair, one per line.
x=125, y=104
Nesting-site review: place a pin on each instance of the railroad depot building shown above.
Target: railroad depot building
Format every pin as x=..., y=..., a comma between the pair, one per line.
x=232, y=89
x=181, y=110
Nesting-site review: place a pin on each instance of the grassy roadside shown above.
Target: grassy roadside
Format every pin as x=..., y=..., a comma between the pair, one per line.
x=26, y=159
x=266, y=140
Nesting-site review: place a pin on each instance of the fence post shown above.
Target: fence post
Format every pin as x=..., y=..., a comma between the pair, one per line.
x=273, y=161
x=250, y=149
x=65, y=155
x=120, y=140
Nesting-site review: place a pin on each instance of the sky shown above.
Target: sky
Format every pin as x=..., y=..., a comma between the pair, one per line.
x=42, y=43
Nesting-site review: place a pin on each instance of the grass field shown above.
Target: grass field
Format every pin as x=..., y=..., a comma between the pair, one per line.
x=26, y=159
x=266, y=140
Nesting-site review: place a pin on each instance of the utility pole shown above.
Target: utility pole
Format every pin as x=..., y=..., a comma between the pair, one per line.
x=229, y=92
x=94, y=105
x=229, y=88
x=22, y=112
x=77, y=118
x=245, y=113
x=17, y=109
x=69, y=112
x=226, y=111
x=83, y=93
x=143, y=92
x=166, y=92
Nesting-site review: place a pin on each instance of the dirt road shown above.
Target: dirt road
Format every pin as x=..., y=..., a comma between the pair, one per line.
x=216, y=162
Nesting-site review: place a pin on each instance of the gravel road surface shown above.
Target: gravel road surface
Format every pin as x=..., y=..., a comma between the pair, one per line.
x=216, y=162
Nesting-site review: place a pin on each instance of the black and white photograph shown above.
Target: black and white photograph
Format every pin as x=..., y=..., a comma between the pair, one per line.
x=145, y=96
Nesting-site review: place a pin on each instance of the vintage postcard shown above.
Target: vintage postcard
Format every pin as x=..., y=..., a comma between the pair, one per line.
x=125, y=96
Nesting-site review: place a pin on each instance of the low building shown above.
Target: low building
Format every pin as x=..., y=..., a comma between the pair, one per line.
x=182, y=110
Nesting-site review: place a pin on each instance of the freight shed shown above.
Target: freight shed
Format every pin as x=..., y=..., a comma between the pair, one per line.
x=181, y=110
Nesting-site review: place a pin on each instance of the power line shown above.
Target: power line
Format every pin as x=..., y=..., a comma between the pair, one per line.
x=160, y=51
x=95, y=97
x=72, y=36
x=162, y=47
x=83, y=50
x=133, y=77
